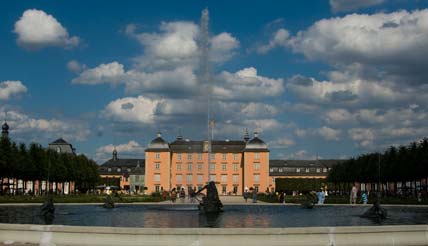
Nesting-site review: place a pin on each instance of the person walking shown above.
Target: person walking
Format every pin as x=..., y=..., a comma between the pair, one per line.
x=353, y=196
x=364, y=198
x=254, y=196
x=182, y=195
x=173, y=195
x=282, y=197
x=246, y=195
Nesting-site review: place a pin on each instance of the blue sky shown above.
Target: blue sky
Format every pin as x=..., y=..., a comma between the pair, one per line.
x=332, y=79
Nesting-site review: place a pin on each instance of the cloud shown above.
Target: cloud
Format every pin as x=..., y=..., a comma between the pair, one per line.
x=37, y=30
x=105, y=73
x=300, y=155
x=75, y=67
x=281, y=143
x=396, y=41
x=246, y=84
x=350, y=5
x=9, y=89
x=279, y=39
x=27, y=129
x=223, y=47
x=329, y=133
x=131, y=149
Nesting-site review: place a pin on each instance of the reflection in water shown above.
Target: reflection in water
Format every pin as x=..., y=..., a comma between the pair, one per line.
x=234, y=216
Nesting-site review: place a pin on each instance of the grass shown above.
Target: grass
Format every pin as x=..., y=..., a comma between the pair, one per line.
x=79, y=199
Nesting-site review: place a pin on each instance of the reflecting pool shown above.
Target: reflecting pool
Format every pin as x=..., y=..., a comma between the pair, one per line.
x=181, y=216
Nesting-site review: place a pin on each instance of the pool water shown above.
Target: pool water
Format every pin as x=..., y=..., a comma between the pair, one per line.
x=183, y=216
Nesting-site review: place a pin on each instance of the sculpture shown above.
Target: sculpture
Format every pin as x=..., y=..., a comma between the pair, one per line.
x=376, y=212
x=47, y=210
x=211, y=202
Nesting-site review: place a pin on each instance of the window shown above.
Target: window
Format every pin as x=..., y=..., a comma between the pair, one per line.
x=223, y=178
x=137, y=178
x=324, y=170
x=223, y=156
x=235, y=157
x=179, y=156
x=256, y=188
x=223, y=167
x=157, y=188
x=129, y=170
x=257, y=178
x=199, y=167
x=119, y=169
x=178, y=178
x=212, y=177
x=318, y=170
x=307, y=170
x=200, y=178
x=223, y=189
x=178, y=167
x=58, y=149
x=256, y=156
x=157, y=165
x=157, y=155
x=271, y=169
x=157, y=178
x=280, y=169
x=109, y=169
x=235, y=167
x=189, y=178
x=297, y=170
x=256, y=166
x=235, y=179
x=212, y=167
x=199, y=156
x=189, y=156
x=235, y=189
x=189, y=166
x=212, y=156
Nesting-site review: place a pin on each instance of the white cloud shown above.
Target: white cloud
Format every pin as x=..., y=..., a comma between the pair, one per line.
x=132, y=109
x=132, y=148
x=9, y=89
x=257, y=110
x=246, y=84
x=105, y=73
x=223, y=47
x=349, y=5
x=281, y=143
x=388, y=39
x=26, y=128
x=75, y=67
x=36, y=30
x=279, y=39
x=329, y=133
x=301, y=155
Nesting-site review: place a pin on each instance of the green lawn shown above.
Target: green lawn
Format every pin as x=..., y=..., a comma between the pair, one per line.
x=79, y=199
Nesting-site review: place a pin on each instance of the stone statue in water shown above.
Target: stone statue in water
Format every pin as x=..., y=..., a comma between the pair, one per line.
x=211, y=202
x=376, y=212
x=47, y=211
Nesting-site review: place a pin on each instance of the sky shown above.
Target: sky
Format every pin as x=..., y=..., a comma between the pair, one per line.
x=317, y=79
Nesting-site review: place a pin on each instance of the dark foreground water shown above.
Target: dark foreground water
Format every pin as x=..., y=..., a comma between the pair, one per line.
x=188, y=216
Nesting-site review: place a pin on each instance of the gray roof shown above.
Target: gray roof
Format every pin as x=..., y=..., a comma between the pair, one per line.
x=136, y=166
x=217, y=146
x=288, y=167
x=60, y=141
x=158, y=144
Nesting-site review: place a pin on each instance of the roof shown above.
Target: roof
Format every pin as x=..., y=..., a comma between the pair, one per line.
x=217, y=146
x=136, y=166
x=5, y=126
x=158, y=144
x=303, y=163
x=256, y=144
x=60, y=141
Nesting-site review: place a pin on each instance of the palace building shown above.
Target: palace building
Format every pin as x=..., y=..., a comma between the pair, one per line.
x=235, y=165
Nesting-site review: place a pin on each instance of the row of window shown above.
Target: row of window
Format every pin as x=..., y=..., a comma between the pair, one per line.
x=297, y=170
x=212, y=156
x=223, y=188
x=118, y=169
x=235, y=166
x=200, y=178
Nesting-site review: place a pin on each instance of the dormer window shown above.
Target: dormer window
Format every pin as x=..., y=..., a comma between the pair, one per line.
x=157, y=155
x=58, y=149
x=119, y=169
x=109, y=169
